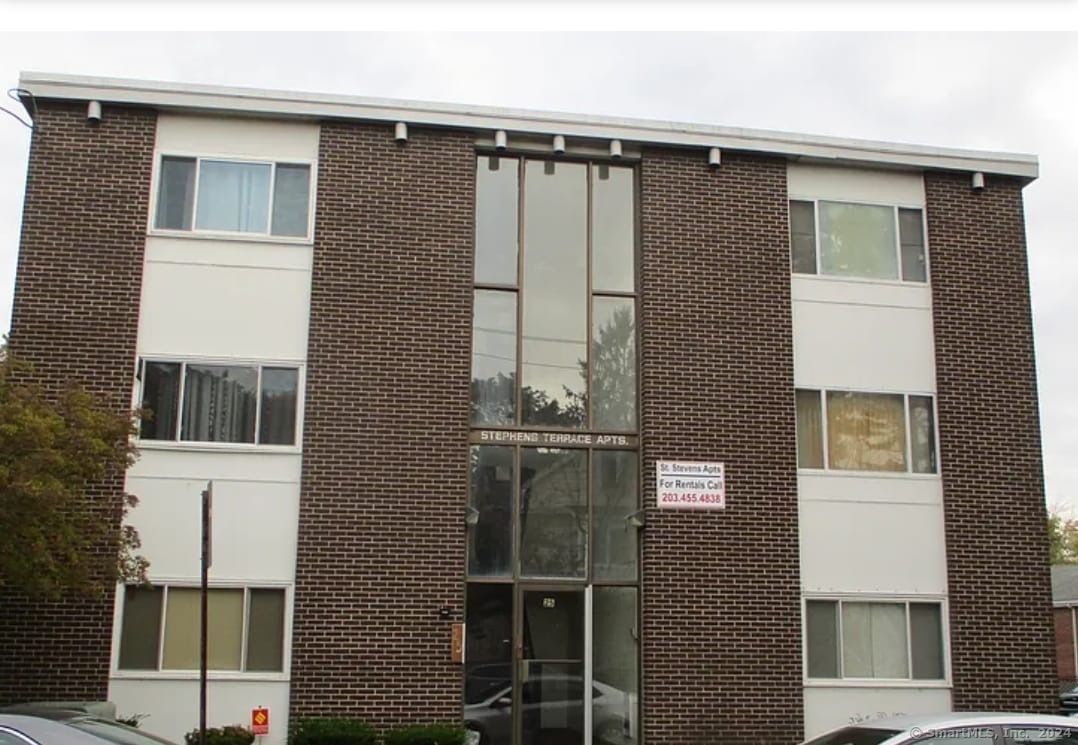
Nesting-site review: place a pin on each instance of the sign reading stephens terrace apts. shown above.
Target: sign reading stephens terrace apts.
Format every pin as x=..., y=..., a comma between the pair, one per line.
x=551, y=439
x=683, y=485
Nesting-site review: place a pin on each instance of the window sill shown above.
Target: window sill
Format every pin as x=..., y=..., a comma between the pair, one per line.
x=218, y=447
x=874, y=683
x=868, y=474
x=193, y=675
x=206, y=235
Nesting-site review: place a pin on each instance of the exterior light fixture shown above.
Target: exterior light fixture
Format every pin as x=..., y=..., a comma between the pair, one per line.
x=93, y=112
x=636, y=519
x=400, y=133
x=559, y=144
x=615, y=148
x=714, y=157
x=471, y=515
x=501, y=141
x=978, y=181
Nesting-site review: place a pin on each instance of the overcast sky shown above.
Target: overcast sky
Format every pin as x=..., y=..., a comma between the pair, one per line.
x=1015, y=92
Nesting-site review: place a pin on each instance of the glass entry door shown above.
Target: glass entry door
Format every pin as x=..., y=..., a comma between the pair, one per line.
x=550, y=669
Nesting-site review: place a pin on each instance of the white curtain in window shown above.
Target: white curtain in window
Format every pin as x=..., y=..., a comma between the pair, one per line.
x=858, y=240
x=874, y=640
x=866, y=431
x=233, y=196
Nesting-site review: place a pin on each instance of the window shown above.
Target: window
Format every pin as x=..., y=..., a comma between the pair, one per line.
x=197, y=402
x=865, y=431
x=857, y=240
x=203, y=194
x=554, y=329
x=160, y=629
x=874, y=639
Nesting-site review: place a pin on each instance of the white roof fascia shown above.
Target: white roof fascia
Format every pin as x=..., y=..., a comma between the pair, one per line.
x=320, y=105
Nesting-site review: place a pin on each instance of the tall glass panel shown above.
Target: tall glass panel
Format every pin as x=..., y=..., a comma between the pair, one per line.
x=912, y=237
x=233, y=196
x=809, y=429
x=490, y=538
x=496, y=206
x=160, y=400
x=821, y=624
x=922, y=434
x=613, y=364
x=615, y=666
x=615, y=499
x=555, y=301
x=926, y=641
x=494, y=357
x=858, y=240
x=803, y=237
x=140, y=632
x=552, y=676
x=175, y=193
x=553, y=512
x=291, y=199
x=488, y=662
x=613, y=222
x=219, y=403
x=265, y=630
x=277, y=423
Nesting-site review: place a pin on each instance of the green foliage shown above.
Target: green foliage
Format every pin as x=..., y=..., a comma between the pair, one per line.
x=329, y=731
x=1062, y=538
x=60, y=533
x=427, y=734
x=232, y=734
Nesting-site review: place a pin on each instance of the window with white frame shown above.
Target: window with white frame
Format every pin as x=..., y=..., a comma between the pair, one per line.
x=226, y=196
x=857, y=240
x=160, y=629
x=859, y=431
x=886, y=639
x=236, y=403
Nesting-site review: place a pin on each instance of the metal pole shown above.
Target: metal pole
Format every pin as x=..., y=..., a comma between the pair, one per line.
x=207, y=509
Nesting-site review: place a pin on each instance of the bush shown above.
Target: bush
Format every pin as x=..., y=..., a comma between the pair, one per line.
x=427, y=734
x=232, y=734
x=328, y=731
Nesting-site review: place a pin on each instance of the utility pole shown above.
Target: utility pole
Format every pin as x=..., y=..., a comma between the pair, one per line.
x=207, y=559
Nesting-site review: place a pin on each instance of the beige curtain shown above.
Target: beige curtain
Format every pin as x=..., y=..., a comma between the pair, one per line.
x=225, y=630
x=866, y=431
x=809, y=430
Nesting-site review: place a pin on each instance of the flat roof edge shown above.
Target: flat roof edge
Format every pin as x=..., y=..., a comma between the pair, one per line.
x=320, y=105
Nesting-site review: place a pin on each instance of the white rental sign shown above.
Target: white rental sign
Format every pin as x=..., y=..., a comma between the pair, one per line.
x=682, y=485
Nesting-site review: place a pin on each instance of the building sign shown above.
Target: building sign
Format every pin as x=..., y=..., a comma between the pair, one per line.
x=552, y=439
x=260, y=721
x=681, y=485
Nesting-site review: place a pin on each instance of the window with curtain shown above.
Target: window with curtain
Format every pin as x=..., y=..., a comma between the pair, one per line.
x=224, y=196
x=874, y=639
x=846, y=239
x=160, y=629
x=861, y=431
x=195, y=402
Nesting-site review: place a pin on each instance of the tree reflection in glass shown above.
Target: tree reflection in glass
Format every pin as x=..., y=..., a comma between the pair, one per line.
x=553, y=512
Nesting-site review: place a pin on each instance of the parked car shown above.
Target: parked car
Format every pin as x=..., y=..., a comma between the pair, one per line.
x=48, y=726
x=957, y=728
x=553, y=710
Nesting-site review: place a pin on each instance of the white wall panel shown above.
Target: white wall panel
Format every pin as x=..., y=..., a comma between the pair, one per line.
x=224, y=311
x=235, y=252
x=827, y=707
x=864, y=487
x=238, y=137
x=171, y=706
x=872, y=547
x=900, y=188
x=866, y=347
x=254, y=527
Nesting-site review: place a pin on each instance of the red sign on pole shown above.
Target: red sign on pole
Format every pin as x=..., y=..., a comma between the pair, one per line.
x=260, y=721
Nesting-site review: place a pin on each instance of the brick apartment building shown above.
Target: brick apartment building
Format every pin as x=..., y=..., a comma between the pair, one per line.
x=703, y=434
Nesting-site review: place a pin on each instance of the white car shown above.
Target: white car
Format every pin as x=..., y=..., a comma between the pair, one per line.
x=957, y=728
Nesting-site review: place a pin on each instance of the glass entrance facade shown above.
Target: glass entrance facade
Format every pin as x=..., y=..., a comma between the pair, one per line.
x=552, y=606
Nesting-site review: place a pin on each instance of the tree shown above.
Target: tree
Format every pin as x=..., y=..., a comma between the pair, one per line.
x=62, y=525
x=1062, y=537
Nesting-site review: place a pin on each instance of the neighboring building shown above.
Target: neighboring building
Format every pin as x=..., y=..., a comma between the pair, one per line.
x=298, y=287
x=1065, y=602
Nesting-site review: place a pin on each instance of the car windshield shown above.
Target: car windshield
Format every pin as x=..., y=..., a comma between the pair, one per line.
x=115, y=732
x=855, y=736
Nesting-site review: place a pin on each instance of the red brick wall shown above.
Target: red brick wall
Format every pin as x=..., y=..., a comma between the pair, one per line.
x=1064, y=628
x=722, y=608
x=990, y=448
x=381, y=527
x=75, y=318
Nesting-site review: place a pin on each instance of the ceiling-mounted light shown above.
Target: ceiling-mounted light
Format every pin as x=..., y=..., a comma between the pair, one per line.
x=400, y=133
x=559, y=144
x=501, y=140
x=714, y=157
x=978, y=181
x=615, y=148
x=93, y=112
